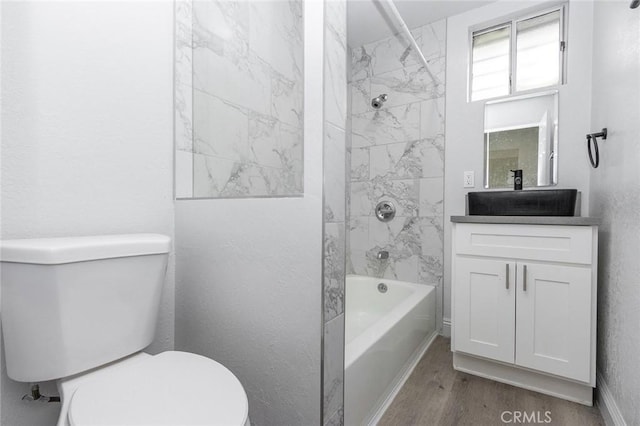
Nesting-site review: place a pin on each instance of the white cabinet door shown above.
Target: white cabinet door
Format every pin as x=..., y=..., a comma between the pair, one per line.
x=554, y=319
x=484, y=315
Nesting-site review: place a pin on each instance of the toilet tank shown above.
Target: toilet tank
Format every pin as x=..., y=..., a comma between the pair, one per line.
x=73, y=304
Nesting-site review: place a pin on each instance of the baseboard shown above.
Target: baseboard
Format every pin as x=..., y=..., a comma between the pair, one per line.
x=446, y=327
x=607, y=404
x=409, y=367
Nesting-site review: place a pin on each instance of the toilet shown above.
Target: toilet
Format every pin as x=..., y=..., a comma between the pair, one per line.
x=81, y=310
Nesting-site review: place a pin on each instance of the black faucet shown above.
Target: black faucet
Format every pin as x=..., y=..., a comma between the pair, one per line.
x=517, y=179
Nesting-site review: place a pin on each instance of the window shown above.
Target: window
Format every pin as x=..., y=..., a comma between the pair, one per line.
x=519, y=55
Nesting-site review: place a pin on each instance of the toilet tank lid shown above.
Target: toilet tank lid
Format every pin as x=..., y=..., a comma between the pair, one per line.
x=52, y=251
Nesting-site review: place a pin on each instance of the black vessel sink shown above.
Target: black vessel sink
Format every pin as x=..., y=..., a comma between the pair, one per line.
x=545, y=202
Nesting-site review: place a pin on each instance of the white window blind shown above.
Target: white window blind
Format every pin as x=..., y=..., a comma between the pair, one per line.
x=491, y=64
x=520, y=55
x=538, y=51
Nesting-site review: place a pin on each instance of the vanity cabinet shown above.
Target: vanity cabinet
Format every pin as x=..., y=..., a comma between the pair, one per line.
x=524, y=296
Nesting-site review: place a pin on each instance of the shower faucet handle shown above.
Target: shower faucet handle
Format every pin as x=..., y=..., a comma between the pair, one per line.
x=382, y=254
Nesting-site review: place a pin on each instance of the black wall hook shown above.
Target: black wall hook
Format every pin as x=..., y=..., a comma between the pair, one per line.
x=593, y=137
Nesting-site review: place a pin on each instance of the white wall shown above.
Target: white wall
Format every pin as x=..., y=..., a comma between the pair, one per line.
x=464, y=120
x=248, y=286
x=615, y=197
x=86, y=136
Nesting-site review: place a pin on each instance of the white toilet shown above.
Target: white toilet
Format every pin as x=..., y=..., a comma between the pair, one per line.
x=81, y=310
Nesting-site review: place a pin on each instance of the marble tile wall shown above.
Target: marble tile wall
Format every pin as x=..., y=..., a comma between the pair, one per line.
x=397, y=154
x=239, y=98
x=335, y=168
x=183, y=99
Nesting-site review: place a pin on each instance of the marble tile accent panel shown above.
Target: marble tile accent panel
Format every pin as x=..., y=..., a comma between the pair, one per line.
x=430, y=270
x=432, y=118
x=210, y=175
x=410, y=84
x=335, y=63
x=245, y=80
x=394, y=52
x=183, y=42
x=395, y=267
x=337, y=419
x=361, y=63
x=404, y=193
x=334, y=269
x=334, y=174
x=183, y=112
x=360, y=199
x=360, y=96
x=402, y=269
x=220, y=177
x=348, y=266
x=397, y=161
x=184, y=174
x=183, y=115
x=276, y=35
x=360, y=164
x=401, y=236
x=431, y=233
x=431, y=197
x=359, y=232
x=223, y=65
x=287, y=99
x=348, y=180
x=220, y=128
x=415, y=246
x=333, y=365
x=275, y=144
x=401, y=265
x=432, y=159
x=357, y=259
x=387, y=125
x=391, y=53
x=432, y=39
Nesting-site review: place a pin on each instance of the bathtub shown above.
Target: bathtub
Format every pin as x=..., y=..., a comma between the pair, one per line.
x=385, y=336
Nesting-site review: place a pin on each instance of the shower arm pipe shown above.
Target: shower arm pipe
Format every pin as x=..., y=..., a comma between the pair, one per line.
x=391, y=7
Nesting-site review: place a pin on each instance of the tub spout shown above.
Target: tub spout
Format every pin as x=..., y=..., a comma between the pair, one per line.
x=382, y=255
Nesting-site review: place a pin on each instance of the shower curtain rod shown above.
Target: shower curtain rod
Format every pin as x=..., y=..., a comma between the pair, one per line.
x=391, y=7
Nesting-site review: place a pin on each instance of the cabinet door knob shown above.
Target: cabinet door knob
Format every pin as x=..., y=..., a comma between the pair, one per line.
x=524, y=277
x=507, y=276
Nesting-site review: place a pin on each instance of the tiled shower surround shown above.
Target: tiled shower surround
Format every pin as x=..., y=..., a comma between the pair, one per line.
x=334, y=215
x=239, y=96
x=397, y=155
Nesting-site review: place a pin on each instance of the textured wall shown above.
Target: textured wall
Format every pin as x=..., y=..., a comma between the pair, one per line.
x=87, y=136
x=334, y=191
x=615, y=197
x=240, y=96
x=248, y=276
x=397, y=154
x=465, y=120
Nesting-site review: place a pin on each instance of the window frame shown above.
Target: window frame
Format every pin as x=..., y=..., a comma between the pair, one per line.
x=512, y=22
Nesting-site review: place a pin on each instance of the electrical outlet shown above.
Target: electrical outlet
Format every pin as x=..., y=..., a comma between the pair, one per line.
x=469, y=179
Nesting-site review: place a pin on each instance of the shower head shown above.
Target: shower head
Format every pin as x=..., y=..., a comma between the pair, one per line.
x=634, y=4
x=377, y=102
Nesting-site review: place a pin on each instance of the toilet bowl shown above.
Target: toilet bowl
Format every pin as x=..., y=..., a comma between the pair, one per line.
x=99, y=298
x=171, y=388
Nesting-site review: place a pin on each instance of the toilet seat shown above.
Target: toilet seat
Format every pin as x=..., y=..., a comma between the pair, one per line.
x=172, y=388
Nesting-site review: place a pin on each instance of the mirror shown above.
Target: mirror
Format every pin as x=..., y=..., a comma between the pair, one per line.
x=521, y=133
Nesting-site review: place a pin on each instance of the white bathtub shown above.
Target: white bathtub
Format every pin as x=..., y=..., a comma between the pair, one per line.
x=385, y=334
